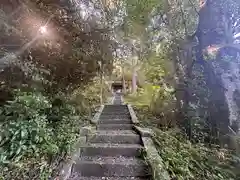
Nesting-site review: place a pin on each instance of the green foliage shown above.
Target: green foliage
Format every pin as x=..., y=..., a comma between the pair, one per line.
x=159, y=101
x=156, y=68
x=86, y=99
x=39, y=127
x=138, y=15
x=188, y=161
x=157, y=93
x=66, y=57
x=24, y=126
x=142, y=98
x=35, y=130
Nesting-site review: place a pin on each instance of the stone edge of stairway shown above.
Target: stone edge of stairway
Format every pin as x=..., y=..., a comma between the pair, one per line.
x=154, y=159
x=66, y=166
x=152, y=155
x=132, y=114
x=95, y=118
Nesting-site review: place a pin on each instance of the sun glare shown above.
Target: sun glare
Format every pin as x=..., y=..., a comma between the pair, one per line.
x=43, y=29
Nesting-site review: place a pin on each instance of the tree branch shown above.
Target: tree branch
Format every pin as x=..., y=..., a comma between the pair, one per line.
x=193, y=6
x=184, y=20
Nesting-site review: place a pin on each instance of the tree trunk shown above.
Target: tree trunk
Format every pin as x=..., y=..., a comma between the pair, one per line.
x=134, y=81
x=101, y=84
x=123, y=81
x=206, y=34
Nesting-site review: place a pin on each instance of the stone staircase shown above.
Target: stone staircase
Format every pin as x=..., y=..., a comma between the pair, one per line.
x=117, y=99
x=114, y=151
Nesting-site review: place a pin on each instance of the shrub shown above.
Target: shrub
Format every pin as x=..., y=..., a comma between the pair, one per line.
x=36, y=132
x=23, y=128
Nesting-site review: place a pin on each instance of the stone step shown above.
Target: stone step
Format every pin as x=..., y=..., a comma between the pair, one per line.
x=115, y=118
x=76, y=176
x=115, y=127
x=117, y=132
x=117, y=166
x=116, y=115
x=115, y=107
x=117, y=102
x=116, y=110
x=119, y=113
x=116, y=136
x=104, y=149
x=125, y=108
x=115, y=121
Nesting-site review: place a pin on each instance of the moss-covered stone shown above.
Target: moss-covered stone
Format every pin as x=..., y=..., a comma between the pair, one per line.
x=155, y=161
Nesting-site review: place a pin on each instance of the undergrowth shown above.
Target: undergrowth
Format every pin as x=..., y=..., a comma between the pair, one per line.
x=36, y=134
x=154, y=103
x=38, y=131
x=185, y=160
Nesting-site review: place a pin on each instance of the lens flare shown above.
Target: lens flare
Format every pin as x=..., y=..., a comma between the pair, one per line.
x=43, y=29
